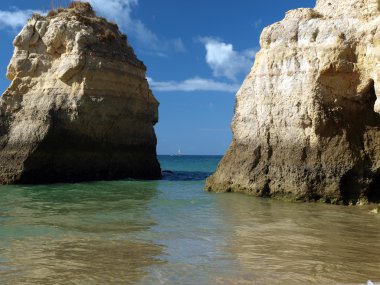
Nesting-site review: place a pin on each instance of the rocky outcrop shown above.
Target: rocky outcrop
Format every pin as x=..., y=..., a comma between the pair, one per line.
x=79, y=106
x=306, y=125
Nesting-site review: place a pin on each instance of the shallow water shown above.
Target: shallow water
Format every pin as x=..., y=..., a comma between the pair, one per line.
x=172, y=232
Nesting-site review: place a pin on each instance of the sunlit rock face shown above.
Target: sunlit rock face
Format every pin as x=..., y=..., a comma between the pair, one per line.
x=306, y=123
x=79, y=106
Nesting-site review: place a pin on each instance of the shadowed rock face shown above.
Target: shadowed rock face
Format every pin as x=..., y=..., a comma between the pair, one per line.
x=306, y=125
x=79, y=106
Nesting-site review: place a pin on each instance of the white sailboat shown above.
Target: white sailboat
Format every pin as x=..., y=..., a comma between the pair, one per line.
x=179, y=152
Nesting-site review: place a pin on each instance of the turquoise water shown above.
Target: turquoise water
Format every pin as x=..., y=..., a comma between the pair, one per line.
x=172, y=232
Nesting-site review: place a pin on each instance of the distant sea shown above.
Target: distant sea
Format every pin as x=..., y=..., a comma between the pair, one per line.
x=172, y=232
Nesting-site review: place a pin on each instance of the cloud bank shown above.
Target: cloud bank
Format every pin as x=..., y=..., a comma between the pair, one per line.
x=120, y=11
x=225, y=61
x=15, y=19
x=192, y=85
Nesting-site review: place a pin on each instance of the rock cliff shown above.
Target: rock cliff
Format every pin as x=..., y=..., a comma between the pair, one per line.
x=79, y=106
x=306, y=123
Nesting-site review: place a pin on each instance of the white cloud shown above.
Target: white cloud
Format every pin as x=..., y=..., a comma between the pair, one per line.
x=225, y=61
x=193, y=84
x=15, y=19
x=120, y=11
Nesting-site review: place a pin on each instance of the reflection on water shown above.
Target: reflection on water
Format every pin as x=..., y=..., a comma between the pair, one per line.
x=75, y=234
x=76, y=261
x=305, y=243
x=172, y=232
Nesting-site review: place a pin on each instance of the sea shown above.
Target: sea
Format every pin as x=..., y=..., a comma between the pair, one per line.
x=173, y=232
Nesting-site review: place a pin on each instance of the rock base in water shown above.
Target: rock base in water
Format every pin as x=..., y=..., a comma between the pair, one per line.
x=306, y=125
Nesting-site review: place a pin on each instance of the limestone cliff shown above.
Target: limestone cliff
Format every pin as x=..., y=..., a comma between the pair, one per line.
x=305, y=124
x=79, y=106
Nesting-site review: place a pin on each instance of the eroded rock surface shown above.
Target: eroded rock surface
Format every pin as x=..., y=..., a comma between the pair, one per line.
x=306, y=125
x=79, y=106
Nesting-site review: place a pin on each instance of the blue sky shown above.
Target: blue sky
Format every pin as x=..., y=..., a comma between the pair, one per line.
x=197, y=53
